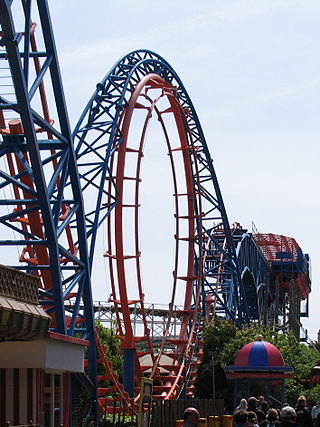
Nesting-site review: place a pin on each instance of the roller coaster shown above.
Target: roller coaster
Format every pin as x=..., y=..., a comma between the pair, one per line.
x=60, y=186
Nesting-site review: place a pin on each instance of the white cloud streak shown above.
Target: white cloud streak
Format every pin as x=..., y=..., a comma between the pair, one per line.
x=211, y=18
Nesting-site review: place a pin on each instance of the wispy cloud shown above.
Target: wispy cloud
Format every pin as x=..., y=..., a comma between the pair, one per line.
x=289, y=91
x=210, y=18
x=229, y=108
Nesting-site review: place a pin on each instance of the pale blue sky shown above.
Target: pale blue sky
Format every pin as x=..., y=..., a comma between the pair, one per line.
x=252, y=69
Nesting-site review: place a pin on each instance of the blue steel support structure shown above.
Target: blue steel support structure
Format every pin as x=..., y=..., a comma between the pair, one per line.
x=257, y=281
x=98, y=137
x=37, y=160
x=49, y=178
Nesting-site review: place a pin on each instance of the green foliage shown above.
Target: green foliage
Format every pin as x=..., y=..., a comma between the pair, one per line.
x=224, y=340
x=110, y=420
x=313, y=395
x=216, y=338
x=112, y=344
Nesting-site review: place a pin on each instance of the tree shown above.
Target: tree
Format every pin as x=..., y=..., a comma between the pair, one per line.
x=216, y=336
x=112, y=345
x=224, y=340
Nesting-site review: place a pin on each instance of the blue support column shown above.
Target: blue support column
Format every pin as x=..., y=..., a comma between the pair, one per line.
x=128, y=370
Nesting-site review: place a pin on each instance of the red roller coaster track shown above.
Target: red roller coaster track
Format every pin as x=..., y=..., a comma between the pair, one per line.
x=149, y=92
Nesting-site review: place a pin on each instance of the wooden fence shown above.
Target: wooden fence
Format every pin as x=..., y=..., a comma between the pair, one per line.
x=165, y=413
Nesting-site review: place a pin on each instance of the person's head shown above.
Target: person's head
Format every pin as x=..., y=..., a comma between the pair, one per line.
x=191, y=415
x=252, y=417
x=288, y=414
x=302, y=401
x=243, y=404
x=318, y=403
x=252, y=403
x=261, y=415
x=261, y=399
x=272, y=414
x=240, y=417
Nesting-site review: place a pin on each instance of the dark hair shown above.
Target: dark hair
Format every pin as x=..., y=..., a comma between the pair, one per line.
x=252, y=417
x=272, y=414
x=252, y=403
x=190, y=411
x=301, y=399
x=260, y=415
x=240, y=417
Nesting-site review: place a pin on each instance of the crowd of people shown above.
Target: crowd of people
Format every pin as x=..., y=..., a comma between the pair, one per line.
x=258, y=413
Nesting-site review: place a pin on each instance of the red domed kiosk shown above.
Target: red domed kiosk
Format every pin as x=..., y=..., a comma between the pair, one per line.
x=259, y=365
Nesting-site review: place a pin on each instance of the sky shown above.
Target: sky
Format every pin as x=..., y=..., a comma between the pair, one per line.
x=252, y=70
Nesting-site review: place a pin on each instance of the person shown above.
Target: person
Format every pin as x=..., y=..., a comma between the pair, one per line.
x=261, y=415
x=315, y=412
x=191, y=417
x=243, y=405
x=263, y=404
x=252, y=419
x=303, y=415
x=240, y=418
x=252, y=404
x=272, y=419
x=287, y=417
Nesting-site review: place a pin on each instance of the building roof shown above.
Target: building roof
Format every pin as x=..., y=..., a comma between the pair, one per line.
x=259, y=359
x=259, y=353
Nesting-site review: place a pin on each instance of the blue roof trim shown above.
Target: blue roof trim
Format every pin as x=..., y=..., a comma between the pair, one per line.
x=258, y=368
